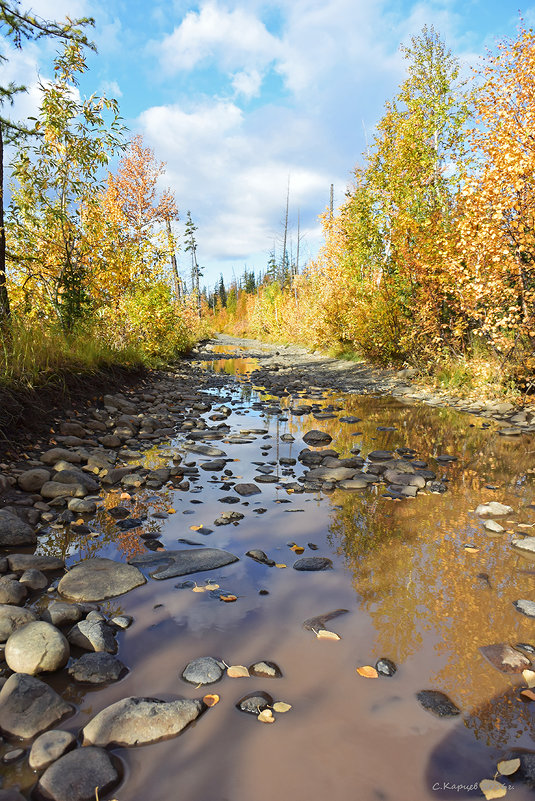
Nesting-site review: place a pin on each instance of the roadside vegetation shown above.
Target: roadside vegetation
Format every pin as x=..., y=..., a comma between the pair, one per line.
x=88, y=271
x=430, y=261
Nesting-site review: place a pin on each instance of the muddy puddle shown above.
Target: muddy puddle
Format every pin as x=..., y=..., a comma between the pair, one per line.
x=424, y=583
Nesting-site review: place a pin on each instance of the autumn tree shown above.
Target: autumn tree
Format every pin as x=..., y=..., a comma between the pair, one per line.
x=494, y=261
x=18, y=26
x=145, y=212
x=57, y=182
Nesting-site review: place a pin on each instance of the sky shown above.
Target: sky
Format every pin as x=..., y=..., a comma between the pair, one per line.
x=244, y=101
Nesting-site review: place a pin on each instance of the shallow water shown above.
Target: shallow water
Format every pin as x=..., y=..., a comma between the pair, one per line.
x=413, y=592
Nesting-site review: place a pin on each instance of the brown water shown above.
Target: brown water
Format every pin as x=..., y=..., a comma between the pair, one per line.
x=413, y=592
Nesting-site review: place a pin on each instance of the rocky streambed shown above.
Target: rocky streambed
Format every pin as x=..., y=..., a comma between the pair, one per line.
x=261, y=575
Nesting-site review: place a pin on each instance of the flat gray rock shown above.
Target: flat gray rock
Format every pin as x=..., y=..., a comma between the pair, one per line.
x=55, y=455
x=245, y=490
x=34, y=561
x=311, y=563
x=12, y=618
x=49, y=746
x=182, y=563
x=525, y=607
x=14, y=531
x=28, y=706
x=97, y=668
x=204, y=670
x=139, y=721
x=53, y=489
x=74, y=776
x=98, y=578
x=330, y=474
x=37, y=647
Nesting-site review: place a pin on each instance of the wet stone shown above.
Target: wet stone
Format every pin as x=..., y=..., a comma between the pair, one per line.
x=140, y=721
x=320, y=621
x=493, y=509
x=316, y=438
x=255, y=702
x=93, y=635
x=28, y=706
x=61, y=613
x=438, y=703
x=97, y=668
x=14, y=531
x=74, y=776
x=50, y=746
x=260, y=556
x=181, y=563
x=246, y=490
x=12, y=618
x=313, y=563
x=204, y=670
x=385, y=667
x=96, y=579
x=505, y=658
x=12, y=591
x=37, y=647
x=265, y=670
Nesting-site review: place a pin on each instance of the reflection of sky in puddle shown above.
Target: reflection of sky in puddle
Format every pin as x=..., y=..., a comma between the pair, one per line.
x=414, y=593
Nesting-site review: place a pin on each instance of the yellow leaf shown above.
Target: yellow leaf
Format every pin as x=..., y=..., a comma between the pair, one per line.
x=508, y=766
x=211, y=699
x=297, y=548
x=529, y=694
x=124, y=496
x=492, y=789
x=198, y=589
x=266, y=716
x=367, y=671
x=195, y=528
x=210, y=587
x=281, y=706
x=529, y=677
x=228, y=599
x=171, y=511
x=323, y=634
x=237, y=672
x=280, y=565
x=471, y=549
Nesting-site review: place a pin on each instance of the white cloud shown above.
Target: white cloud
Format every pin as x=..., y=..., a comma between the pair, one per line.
x=247, y=84
x=234, y=39
x=111, y=89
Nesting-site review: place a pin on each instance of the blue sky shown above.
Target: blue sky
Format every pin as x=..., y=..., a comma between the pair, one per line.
x=240, y=97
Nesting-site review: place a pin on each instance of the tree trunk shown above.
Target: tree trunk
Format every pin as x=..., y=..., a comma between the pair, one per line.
x=5, y=311
x=174, y=267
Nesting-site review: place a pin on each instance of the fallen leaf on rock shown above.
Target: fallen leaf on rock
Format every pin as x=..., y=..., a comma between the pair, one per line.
x=492, y=789
x=266, y=716
x=470, y=549
x=211, y=700
x=195, y=528
x=367, y=671
x=297, y=549
x=79, y=522
x=280, y=565
x=508, y=766
x=228, y=599
x=529, y=677
x=323, y=634
x=281, y=706
x=529, y=694
x=237, y=672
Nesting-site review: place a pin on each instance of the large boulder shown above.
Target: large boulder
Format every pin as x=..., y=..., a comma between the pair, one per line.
x=76, y=775
x=139, y=721
x=28, y=706
x=14, y=531
x=33, y=480
x=12, y=618
x=99, y=578
x=37, y=647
